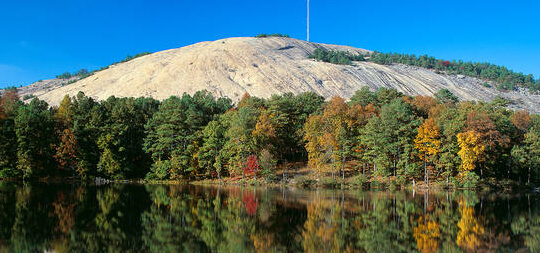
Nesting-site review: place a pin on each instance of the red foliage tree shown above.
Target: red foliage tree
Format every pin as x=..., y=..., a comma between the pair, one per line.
x=446, y=63
x=250, y=203
x=252, y=165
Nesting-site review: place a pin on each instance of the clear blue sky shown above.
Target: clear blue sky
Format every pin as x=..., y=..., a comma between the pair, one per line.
x=39, y=39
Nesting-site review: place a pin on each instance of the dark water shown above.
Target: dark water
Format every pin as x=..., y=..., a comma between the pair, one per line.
x=135, y=218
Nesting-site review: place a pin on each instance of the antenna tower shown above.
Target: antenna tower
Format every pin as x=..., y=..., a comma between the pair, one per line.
x=307, y=20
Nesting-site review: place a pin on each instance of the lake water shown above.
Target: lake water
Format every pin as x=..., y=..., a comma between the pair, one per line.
x=156, y=218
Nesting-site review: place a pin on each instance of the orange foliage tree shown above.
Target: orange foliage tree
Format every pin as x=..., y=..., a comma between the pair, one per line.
x=328, y=136
x=521, y=120
x=488, y=136
x=424, y=104
x=8, y=102
x=66, y=151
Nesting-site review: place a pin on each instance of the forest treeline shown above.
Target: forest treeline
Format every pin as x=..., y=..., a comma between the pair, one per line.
x=84, y=73
x=376, y=136
x=500, y=76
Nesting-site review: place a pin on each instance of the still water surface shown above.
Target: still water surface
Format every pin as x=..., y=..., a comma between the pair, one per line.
x=157, y=218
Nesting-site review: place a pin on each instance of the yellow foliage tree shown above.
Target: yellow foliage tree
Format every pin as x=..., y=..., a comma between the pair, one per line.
x=427, y=235
x=64, y=113
x=335, y=118
x=470, y=230
x=314, y=145
x=471, y=149
x=320, y=228
x=330, y=137
x=265, y=129
x=427, y=143
x=324, y=135
x=263, y=242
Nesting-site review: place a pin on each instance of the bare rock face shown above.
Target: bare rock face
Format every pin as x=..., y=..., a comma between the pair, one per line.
x=262, y=67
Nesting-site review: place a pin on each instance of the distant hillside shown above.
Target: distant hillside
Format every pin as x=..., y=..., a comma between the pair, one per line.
x=266, y=66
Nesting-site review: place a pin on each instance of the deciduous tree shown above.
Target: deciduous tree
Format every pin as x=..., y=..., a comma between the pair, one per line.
x=471, y=149
x=427, y=143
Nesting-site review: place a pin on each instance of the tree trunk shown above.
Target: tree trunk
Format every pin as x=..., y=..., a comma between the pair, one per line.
x=481, y=171
x=364, y=169
x=333, y=165
x=395, y=165
x=426, y=173
x=529, y=176
x=343, y=169
x=508, y=162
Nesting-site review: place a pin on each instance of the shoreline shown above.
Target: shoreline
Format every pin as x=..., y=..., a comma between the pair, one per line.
x=299, y=182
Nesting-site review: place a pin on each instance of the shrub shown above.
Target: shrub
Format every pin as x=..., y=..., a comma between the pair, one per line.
x=446, y=96
x=264, y=35
x=507, y=184
x=84, y=73
x=267, y=165
x=65, y=75
x=500, y=101
x=251, y=181
x=360, y=180
x=159, y=170
x=329, y=182
x=393, y=185
x=129, y=57
x=401, y=180
x=304, y=181
x=506, y=86
x=335, y=57
x=10, y=88
x=469, y=180
x=378, y=184
x=28, y=96
x=441, y=185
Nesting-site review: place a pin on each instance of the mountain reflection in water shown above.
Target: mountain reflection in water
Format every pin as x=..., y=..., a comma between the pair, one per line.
x=172, y=218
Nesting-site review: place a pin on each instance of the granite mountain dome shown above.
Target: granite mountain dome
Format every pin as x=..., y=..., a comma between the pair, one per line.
x=262, y=67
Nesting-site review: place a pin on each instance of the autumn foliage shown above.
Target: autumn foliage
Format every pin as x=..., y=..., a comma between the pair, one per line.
x=66, y=152
x=470, y=230
x=427, y=141
x=427, y=235
x=250, y=203
x=252, y=166
x=383, y=136
x=471, y=149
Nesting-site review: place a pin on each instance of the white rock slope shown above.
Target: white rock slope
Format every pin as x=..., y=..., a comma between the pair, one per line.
x=262, y=67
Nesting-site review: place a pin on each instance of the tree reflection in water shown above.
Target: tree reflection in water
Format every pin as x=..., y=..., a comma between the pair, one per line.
x=161, y=218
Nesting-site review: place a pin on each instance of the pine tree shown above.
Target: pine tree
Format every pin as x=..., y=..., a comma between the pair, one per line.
x=34, y=127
